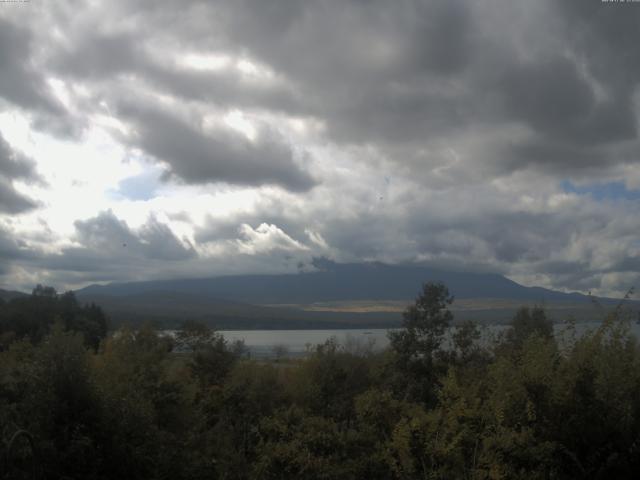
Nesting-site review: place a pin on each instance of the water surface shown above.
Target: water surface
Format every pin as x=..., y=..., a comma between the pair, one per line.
x=296, y=343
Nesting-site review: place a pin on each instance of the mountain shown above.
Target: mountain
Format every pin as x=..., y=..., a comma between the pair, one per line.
x=356, y=295
x=10, y=294
x=339, y=282
x=170, y=308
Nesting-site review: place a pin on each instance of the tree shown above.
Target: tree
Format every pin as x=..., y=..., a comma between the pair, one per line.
x=467, y=350
x=417, y=346
x=33, y=317
x=527, y=322
x=146, y=414
x=250, y=393
x=61, y=406
x=211, y=358
x=44, y=292
x=280, y=351
x=424, y=322
x=327, y=381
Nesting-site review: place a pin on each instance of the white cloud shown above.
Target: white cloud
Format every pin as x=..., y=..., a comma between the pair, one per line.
x=266, y=238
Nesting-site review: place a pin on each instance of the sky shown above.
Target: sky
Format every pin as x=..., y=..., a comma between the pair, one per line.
x=176, y=139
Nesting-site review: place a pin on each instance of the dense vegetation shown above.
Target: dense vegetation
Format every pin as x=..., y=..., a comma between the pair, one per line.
x=436, y=404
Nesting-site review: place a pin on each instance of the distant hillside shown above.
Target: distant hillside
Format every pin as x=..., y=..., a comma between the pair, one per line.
x=169, y=309
x=10, y=294
x=336, y=296
x=340, y=282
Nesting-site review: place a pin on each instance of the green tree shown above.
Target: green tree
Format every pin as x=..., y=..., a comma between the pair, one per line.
x=233, y=413
x=527, y=322
x=300, y=445
x=211, y=359
x=33, y=317
x=328, y=380
x=54, y=398
x=418, y=355
x=147, y=411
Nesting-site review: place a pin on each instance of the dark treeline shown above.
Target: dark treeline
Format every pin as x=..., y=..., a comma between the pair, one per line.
x=31, y=317
x=137, y=405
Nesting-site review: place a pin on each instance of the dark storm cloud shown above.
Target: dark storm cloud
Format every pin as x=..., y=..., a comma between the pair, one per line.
x=105, y=249
x=606, y=36
x=100, y=56
x=108, y=235
x=20, y=83
x=401, y=76
x=13, y=250
x=550, y=96
x=394, y=76
x=364, y=67
x=628, y=263
x=349, y=39
x=508, y=237
x=12, y=201
x=9, y=248
x=580, y=106
x=218, y=155
x=14, y=166
x=105, y=56
x=226, y=89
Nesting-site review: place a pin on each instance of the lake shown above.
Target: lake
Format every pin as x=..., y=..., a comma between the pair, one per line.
x=297, y=343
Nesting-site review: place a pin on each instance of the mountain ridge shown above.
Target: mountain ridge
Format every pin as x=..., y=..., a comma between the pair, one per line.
x=11, y=294
x=309, y=299
x=339, y=282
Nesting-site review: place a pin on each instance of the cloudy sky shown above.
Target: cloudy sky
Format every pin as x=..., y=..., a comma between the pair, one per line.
x=160, y=139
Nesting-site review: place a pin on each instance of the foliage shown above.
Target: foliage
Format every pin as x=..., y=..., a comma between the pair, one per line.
x=437, y=405
x=211, y=359
x=33, y=317
x=417, y=348
x=527, y=322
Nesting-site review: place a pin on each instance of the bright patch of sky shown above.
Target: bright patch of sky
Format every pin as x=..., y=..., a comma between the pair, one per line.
x=602, y=191
x=143, y=186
